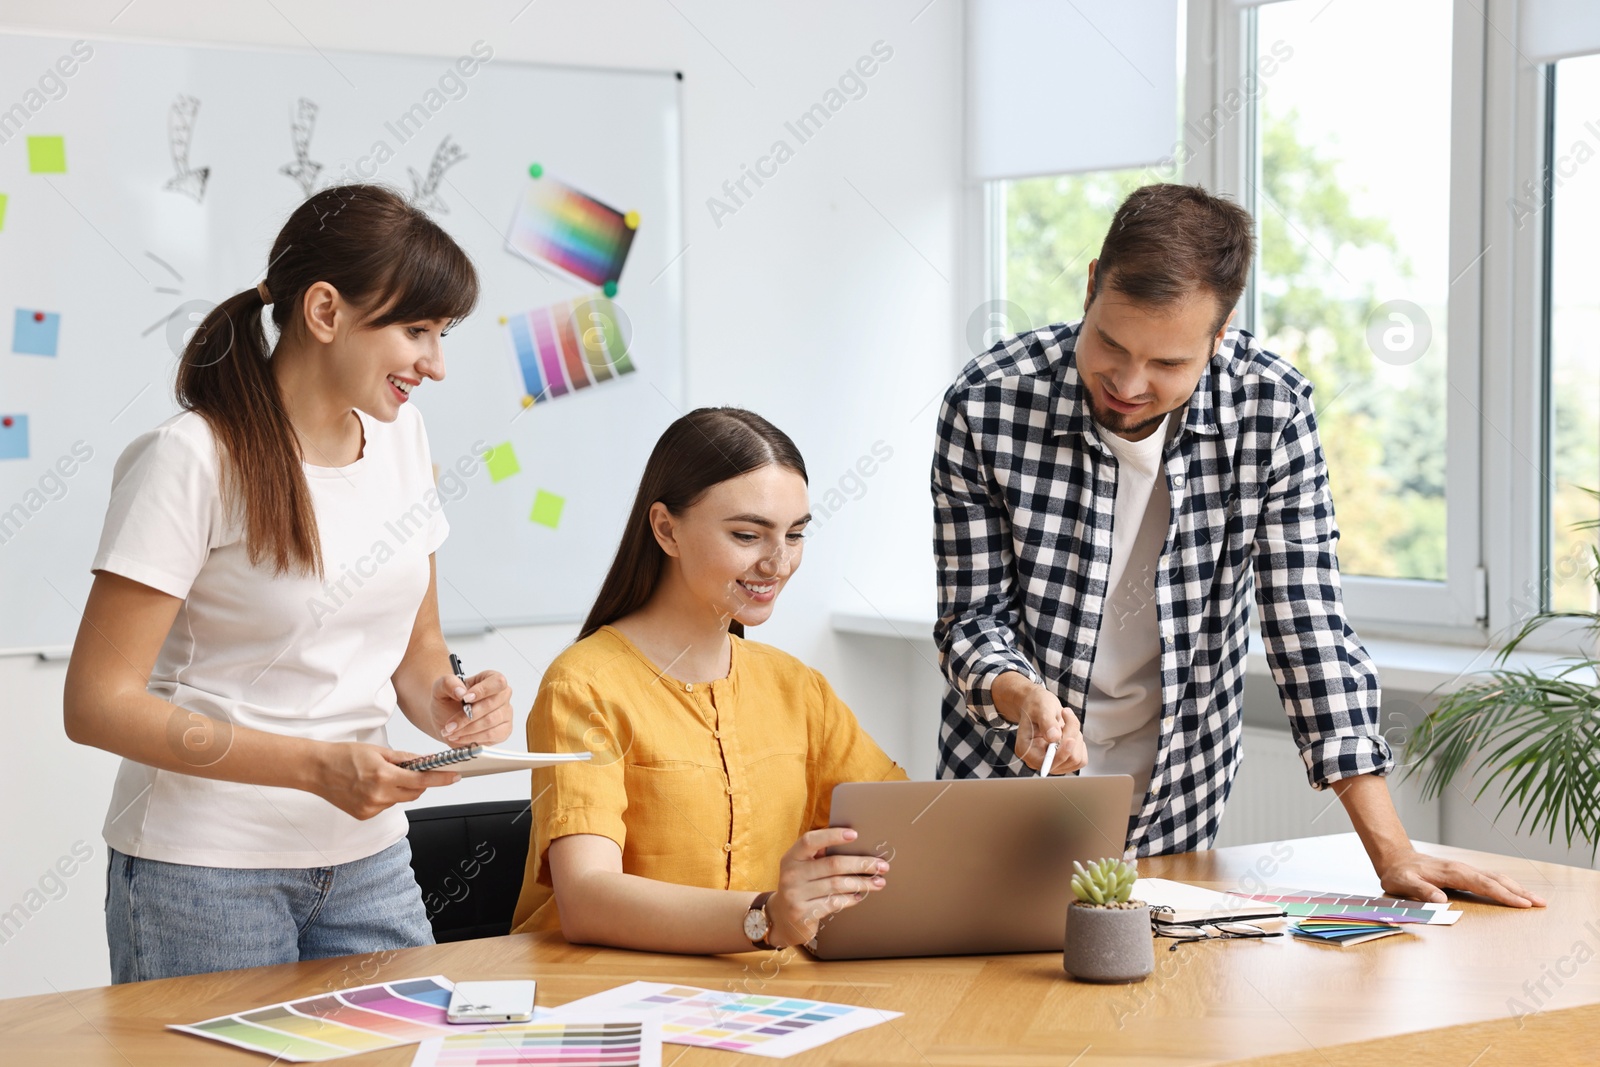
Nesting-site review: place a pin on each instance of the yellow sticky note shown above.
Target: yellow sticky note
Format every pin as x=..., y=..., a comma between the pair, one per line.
x=547, y=509
x=47, y=155
x=2, y=211
x=502, y=462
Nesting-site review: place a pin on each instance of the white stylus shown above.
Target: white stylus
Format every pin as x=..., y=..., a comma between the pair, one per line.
x=1049, y=761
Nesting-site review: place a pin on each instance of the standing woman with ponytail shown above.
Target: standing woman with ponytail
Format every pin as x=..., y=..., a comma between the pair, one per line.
x=264, y=599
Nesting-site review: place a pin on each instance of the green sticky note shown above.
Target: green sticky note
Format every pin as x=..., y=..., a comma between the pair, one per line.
x=2, y=211
x=547, y=509
x=47, y=155
x=502, y=462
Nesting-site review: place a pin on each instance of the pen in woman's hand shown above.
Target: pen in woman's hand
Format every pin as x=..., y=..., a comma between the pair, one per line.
x=455, y=665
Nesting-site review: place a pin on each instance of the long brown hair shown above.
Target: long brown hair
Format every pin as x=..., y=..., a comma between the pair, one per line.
x=702, y=449
x=384, y=256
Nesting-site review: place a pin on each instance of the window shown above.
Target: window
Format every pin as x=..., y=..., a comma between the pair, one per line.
x=1353, y=277
x=1053, y=227
x=1572, y=334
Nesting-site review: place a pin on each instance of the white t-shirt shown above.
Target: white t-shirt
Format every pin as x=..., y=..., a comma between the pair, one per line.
x=1122, y=714
x=287, y=654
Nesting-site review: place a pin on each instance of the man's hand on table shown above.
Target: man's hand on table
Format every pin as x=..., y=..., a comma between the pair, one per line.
x=1417, y=876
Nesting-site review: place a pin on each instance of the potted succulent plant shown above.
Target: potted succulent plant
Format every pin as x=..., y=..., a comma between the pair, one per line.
x=1108, y=935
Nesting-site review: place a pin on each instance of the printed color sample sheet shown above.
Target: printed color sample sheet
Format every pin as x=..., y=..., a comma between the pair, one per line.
x=338, y=1023
x=593, y=1041
x=568, y=346
x=1304, y=902
x=737, y=1022
x=557, y=224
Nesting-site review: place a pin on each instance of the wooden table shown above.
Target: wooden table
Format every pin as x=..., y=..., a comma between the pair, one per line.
x=1500, y=987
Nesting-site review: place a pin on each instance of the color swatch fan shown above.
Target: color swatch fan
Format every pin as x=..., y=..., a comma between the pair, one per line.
x=557, y=224
x=568, y=346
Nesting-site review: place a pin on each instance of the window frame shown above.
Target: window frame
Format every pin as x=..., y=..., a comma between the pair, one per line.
x=1498, y=408
x=1219, y=49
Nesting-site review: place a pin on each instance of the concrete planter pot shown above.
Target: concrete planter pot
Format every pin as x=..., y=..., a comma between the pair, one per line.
x=1108, y=944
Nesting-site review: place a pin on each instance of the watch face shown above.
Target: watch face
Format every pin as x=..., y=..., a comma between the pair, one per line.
x=755, y=924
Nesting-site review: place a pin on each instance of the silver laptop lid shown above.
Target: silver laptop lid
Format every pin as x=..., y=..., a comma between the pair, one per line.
x=977, y=866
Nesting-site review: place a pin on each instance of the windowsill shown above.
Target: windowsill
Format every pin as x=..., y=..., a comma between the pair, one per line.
x=1405, y=666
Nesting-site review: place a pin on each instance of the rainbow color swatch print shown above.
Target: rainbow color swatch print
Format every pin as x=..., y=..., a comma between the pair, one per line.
x=755, y=1024
x=338, y=1023
x=568, y=346
x=1305, y=903
x=610, y=1041
x=556, y=224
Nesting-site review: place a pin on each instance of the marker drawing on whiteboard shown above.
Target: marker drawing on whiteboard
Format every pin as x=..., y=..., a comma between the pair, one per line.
x=303, y=170
x=425, y=191
x=190, y=181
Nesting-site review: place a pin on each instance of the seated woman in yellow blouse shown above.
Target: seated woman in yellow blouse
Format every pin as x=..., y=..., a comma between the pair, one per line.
x=701, y=823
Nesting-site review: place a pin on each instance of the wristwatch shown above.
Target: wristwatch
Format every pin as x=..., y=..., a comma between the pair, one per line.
x=758, y=924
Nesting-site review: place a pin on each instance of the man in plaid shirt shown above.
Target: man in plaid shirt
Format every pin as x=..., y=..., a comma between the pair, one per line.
x=1105, y=494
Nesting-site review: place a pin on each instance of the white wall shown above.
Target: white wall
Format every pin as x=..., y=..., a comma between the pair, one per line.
x=822, y=303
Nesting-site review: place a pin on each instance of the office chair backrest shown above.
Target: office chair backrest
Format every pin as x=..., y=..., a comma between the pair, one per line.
x=468, y=860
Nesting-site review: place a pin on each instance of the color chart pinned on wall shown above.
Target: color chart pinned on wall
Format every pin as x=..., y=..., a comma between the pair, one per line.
x=593, y=1041
x=568, y=346
x=772, y=1026
x=340, y=1023
x=557, y=224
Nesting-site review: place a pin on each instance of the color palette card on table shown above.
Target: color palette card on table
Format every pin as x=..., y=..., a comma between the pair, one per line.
x=339, y=1023
x=1306, y=902
x=760, y=1025
x=594, y=1041
x=1342, y=930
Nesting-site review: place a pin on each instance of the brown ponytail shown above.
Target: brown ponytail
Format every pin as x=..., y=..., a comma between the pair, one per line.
x=702, y=449
x=383, y=255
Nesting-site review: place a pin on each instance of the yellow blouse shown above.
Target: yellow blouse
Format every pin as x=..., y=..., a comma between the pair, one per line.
x=704, y=783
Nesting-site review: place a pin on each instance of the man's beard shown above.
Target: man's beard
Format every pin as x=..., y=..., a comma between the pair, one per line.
x=1120, y=424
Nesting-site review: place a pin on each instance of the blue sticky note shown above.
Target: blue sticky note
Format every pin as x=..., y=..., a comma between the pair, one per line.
x=35, y=332
x=13, y=437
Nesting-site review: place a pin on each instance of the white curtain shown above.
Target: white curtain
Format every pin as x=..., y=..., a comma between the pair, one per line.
x=1064, y=86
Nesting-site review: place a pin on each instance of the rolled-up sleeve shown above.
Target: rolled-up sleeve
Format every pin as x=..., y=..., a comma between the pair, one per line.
x=978, y=624
x=1327, y=681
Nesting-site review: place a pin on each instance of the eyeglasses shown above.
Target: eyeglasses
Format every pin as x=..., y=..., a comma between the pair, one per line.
x=1223, y=931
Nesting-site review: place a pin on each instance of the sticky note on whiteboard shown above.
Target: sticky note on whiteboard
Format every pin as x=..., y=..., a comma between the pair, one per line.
x=501, y=460
x=2, y=211
x=547, y=509
x=13, y=437
x=47, y=155
x=35, y=332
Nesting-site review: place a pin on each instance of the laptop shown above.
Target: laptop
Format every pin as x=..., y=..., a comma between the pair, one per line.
x=978, y=866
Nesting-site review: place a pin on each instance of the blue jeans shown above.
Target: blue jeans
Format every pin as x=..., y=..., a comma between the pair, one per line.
x=170, y=919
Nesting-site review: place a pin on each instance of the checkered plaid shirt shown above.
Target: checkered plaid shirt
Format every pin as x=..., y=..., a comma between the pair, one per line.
x=1023, y=490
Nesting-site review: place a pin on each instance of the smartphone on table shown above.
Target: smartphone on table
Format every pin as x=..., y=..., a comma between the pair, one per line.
x=491, y=1002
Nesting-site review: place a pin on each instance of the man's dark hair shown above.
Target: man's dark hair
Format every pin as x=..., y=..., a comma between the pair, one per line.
x=1167, y=241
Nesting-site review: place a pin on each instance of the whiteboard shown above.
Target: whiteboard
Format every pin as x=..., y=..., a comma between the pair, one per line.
x=182, y=162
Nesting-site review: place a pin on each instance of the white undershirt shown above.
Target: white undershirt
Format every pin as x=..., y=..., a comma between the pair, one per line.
x=1122, y=714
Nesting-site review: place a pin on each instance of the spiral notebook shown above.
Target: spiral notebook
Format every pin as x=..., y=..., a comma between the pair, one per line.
x=473, y=760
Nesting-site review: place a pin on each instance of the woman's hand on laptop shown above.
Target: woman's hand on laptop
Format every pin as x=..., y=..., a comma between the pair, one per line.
x=813, y=885
x=1041, y=722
